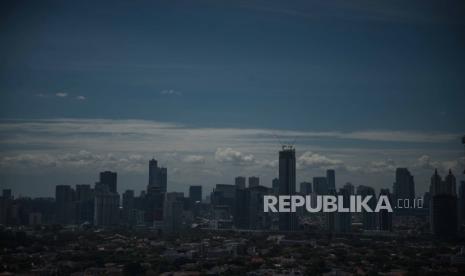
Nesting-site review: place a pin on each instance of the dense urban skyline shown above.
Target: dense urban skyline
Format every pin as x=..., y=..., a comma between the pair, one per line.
x=212, y=90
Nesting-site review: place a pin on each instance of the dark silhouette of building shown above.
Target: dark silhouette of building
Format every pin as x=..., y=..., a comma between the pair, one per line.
x=343, y=220
x=240, y=182
x=369, y=220
x=320, y=186
x=128, y=204
x=110, y=179
x=275, y=185
x=287, y=182
x=385, y=217
x=404, y=187
x=254, y=181
x=64, y=204
x=305, y=188
x=462, y=202
x=158, y=177
x=443, y=209
x=195, y=194
x=84, y=203
x=350, y=188
x=331, y=179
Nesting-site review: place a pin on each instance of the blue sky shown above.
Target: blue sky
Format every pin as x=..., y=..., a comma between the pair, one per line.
x=381, y=68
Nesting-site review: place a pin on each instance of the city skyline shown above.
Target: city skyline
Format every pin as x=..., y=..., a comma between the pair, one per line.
x=213, y=89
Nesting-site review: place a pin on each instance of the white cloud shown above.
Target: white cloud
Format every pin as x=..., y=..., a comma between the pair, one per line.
x=229, y=155
x=61, y=94
x=384, y=166
x=194, y=159
x=81, y=98
x=311, y=160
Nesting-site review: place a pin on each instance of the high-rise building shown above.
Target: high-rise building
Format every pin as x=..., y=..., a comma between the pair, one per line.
x=369, y=219
x=343, y=220
x=110, y=179
x=195, y=194
x=258, y=220
x=275, y=185
x=64, y=204
x=305, y=188
x=240, y=182
x=84, y=203
x=173, y=212
x=404, y=186
x=128, y=204
x=287, y=182
x=320, y=186
x=331, y=179
x=385, y=217
x=254, y=181
x=106, y=209
x=158, y=177
x=462, y=202
x=443, y=208
x=350, y=188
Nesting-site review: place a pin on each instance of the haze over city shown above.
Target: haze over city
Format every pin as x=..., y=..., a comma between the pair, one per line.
x=212, y=90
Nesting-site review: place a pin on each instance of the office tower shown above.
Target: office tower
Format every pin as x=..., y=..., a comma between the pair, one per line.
x=64, y=204
x=462, y=202
x=350, y=188
x=195, y=194
x=305, y=188
x=257, y=219
x=320, y=186
x=443, y=209
x=369, y=219
x=385, y=217
x=109, y=178
x=106, y=209
x=224, y=194
x=240, y=182
x=287, y=161
x=173, y=213
x=158, y=177
x=404, y=186
x=254, y=181
x=343, y=221
x=331, y=179
x=128, y=203
x=84, y=203
x=427, y=200
x=5, y=207
x=275, y=185
x=241, y=209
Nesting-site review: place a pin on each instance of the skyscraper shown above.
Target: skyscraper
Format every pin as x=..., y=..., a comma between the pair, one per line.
x=320, y=186
x=129, y=207
x=195, y=194
x=404, y=186
x=462, y=201
x=64, y=204
x=240, y=182
x=287, y=162
x=331, y=179
x=254, y=181
x=443, y=208
x=84, y=203
x=343, y=220
x=173, y=212
x=385, y=217
x=275, y=185
x=305, y=188
x=158, y=177
x=110, y=179
x=369, y=219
